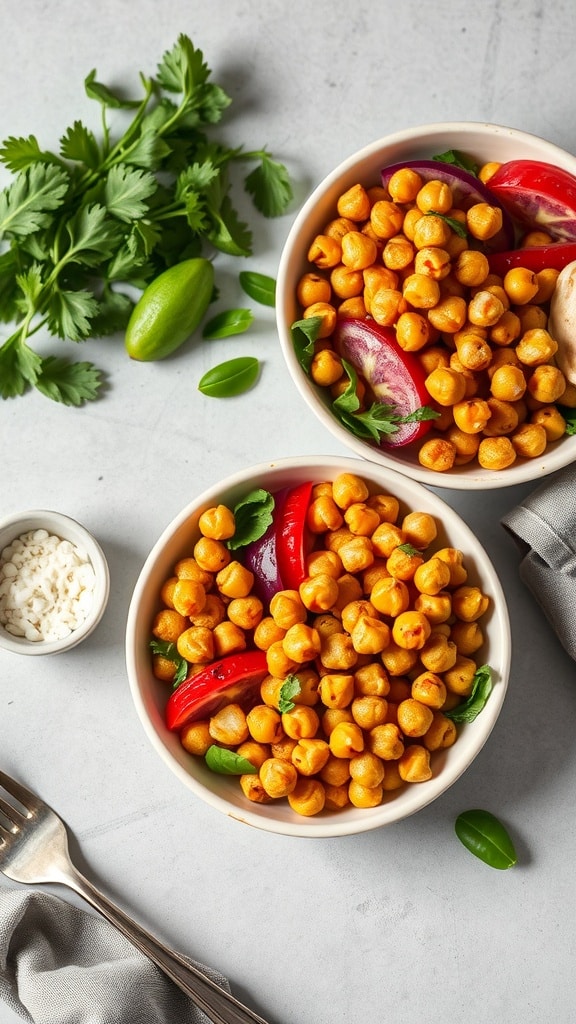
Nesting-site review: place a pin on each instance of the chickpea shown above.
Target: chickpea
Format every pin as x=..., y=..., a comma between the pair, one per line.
x=213, y=612
x=286, y=608
x=386, y=741
x=353, y=307
x=436, y=607
x=421, y=291
x=325, y=252
x=354, y=204
x=386, y=219
x=228, y=638
x=428, y=688
x=546, y=284
x=324, y=563
x=189, y=597
x=485, y=309
x=496, y=453
x=364, y=796
x=369, y=711
x=309, y=756
x=483, y=220
x=358, y=250
x=471, y=268
x=319, y=593
x=535, y=347
x=163, y=668
x=196, y=645
x=503, y=418
x=267, y=632
x=404, y=185
x=454, y=558
x=460, y=678
x=546, y=384
x=336, y=689
x=302, y=721
x=349, y=589
x=432, y=576
x=347, y=489
x=312, y=288
x=434, y=196
x=441, y=734
x=217, y=523
x=326, y=368
x=433, y=356
x=253, y=789
x=437, y=454
x=323, y=514
x=283, y=748
x=338, y=227
x=228, y=726
x=398, y=253
x=332, y=717
x=446, y=386
x=188, y=569
x=245, y=612
x=474, y=352
x=386, y=505
x=346, y=740
x=467, y=636
x=254, y=752
x=469, y=603
x=414, y=765
x=338, y=652
x=411, y=630
x=506, y=329
x=370, y=635
x=356, y=554
x=168, y=624
x=439, y=653
x=327, y=313
x=346, y=282
x=471, y=415
x=529, y=440
x=449, y=314
x=390, y=596
x=414, y=717
x=264, y=724
x=508, y=383
x=235, y=580
x=278, y=777
x=195, y=737
x=521, y=285
x=371, y=680
x=336, y=771
x=552, y=420
x=412, y=331
x=211, y=555
x=432, y=262
x=277, y=661
x=386, y=537
x=301, y=643
x=400, y=689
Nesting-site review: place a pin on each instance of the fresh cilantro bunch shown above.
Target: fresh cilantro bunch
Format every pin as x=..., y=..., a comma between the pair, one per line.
x=80, y=228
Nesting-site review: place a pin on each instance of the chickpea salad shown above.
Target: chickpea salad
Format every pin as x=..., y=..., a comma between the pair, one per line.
x=320, y=644
x=425, y=310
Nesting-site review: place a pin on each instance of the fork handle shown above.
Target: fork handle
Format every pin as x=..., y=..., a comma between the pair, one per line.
x=219, y=1006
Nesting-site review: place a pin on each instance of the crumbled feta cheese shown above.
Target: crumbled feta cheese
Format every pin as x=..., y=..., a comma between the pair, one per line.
x=46, y=586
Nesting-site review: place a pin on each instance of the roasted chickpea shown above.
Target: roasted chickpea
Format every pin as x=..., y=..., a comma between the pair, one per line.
x=264, y=724
x=211, y=555
x=346, y=740
x=325, y=252
x=168, y=625
x=404, y=185
x=337, y=652
x=529, y=440
x=217, y=522
x=369, y=711
x=356, y=554
x=421, y=291
x=195, y=737
x=414, y=717
x=286, y=608
x=367, y=769
x=309, y=756
x=386, y=537
x=411, y=630
x=386, y=219
x=327, y=313
x=308, y=797
x=326, y=368
x=454, y=558
x=245, y=612
x=228, y=637
x=301, y=642
x=398, y=253
x=253, y=789
x=235, y=580
x=508, y=383
x=358, y=250
x=437, y=454
x=449, y=314
x=439, y=653
x=196, y=645
x=467, y=636
x=188, y=569
x=441, y=734
x=354, y=204
x=313, y=288
x=412, y=331
x=386, y=741
x=471, y=268
x=361, y=519
x=428, y=688
x=469, y=603
x=370, y=635
x=546, y=384
x=496, y=453
x=552, y=420
x=336, y=689
x=485, y=308
x=336, y=771
x=278, y=662
x=430, y=231
x=536, y=347
x=256, y=753
x=228, y=726
x=348, y=489
x=371, y=680
x=521, y=285
x=319, y=593
x=432, y=576
x=213, y=612
x=436, y=607
x=267, y=632
x=346, y=282
x=390, y=596
x=503, y=418
x=414, y=764
x=460, y=678
x=324, y=563
x=301, y=721
x=483, y=220
x=189, y=597
x=278, y=777
x=471, y=415
x=474, y=352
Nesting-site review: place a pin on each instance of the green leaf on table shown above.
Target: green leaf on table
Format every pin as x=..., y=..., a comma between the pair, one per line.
x=259, y=287
x=485, y=836
x=70, y=313
x=68, y=383
x=270, y=188
x=232, y=377
x=228, y=323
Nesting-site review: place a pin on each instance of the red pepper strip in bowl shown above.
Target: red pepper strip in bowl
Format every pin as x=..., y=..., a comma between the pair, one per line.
x=292, y=537
x=534, y=257
x=232, y=680
x=539, y=195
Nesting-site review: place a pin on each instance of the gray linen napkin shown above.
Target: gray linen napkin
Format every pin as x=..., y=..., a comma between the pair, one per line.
x=63, y=965
x=544, y=528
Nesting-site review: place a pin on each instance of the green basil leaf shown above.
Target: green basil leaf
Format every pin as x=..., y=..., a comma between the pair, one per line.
x=290, y=688
x=259, y=287
x=469, y=709
x=227, y=762
x=485, y=836
x=253, y=515
x=304, y=333
x=232, y=377
x=223, y=325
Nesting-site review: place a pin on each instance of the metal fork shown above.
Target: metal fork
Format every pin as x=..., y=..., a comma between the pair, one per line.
x=34, y=850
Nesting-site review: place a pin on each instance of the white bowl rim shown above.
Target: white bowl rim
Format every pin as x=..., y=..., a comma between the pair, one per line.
x=471, y=476
x=354, y=823
x=68, y=528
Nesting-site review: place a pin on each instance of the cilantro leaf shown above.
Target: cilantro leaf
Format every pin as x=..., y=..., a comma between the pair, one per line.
x=78, y=143
x=226, y=231
x=20, y=153
x=469, y=709
x=182, y=69
x=253, y=515
x=270, y=187
x=125, y=191
x=379, y=420
x=167, y=649
x=70, y=313
x=28, y=203
x=290, y=688
x=19, y=368
x=68, y=383
x=458, y=159
x=102, y=94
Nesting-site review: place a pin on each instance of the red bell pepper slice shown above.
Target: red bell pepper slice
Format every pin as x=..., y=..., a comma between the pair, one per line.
x=538, y=194
x=534, y=257
x=234, y=679
x=293, y=538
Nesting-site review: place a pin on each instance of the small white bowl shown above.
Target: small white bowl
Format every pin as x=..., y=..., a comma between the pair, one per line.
x=62, y=526
x=485, y=142
x=150, y=695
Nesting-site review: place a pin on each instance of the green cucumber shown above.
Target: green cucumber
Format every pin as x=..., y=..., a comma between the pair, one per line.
x=169, y=310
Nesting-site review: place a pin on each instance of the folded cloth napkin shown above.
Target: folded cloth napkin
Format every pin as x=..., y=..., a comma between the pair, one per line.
x=544, y=528
x=62, y=965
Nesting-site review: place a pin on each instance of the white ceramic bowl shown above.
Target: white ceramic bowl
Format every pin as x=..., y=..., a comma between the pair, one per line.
x=484, y=142
x=62, y=526
x=150, y=695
